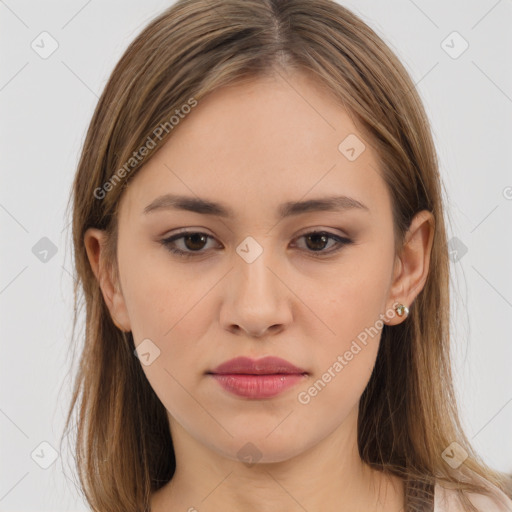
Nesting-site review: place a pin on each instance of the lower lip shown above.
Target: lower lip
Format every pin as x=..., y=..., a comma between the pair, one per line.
x=257, y=386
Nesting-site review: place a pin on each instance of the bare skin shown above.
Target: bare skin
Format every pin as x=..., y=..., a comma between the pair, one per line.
x=252, y=147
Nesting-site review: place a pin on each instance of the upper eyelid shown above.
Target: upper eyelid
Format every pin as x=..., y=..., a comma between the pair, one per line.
x=204, y=231
x=181, y=233
x=338, y=238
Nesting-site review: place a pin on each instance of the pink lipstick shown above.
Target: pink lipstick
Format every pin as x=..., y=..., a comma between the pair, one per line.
x=262, y=378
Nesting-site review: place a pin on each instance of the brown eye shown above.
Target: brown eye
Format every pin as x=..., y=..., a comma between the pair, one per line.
x=317, y=241
x=193, y=242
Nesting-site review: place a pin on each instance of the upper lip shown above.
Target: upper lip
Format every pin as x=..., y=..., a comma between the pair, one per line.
x=265, y=366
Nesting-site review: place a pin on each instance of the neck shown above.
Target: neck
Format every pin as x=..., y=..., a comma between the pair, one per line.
x=329, y=476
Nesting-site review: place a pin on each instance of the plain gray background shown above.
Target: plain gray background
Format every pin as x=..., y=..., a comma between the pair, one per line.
x=46, y=105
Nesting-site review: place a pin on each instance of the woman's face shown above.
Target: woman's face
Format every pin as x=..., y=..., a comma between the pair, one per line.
x=256, y=285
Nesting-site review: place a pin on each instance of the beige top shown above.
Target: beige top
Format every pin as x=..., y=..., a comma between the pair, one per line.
x=445, y=500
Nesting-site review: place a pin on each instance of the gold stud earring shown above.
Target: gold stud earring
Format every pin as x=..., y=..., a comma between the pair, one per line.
x=402, y=310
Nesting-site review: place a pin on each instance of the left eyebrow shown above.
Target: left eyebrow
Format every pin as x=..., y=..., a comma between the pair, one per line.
x=290, y=208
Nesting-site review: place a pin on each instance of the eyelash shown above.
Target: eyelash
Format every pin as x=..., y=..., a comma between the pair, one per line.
x=168, y=243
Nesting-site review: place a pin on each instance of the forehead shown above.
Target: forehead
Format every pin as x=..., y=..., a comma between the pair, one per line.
x=265, y=141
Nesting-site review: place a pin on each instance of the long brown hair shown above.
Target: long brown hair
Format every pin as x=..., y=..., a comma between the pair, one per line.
x=407, y=414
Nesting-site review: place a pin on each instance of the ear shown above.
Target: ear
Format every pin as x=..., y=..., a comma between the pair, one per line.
x=95, y=242
x=413, y=263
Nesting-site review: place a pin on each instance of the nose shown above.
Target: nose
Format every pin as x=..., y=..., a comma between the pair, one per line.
x=257, y=300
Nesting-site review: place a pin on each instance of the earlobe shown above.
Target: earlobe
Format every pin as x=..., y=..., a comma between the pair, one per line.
x=94, y=241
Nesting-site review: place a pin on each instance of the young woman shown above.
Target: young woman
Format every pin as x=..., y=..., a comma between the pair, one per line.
x=260, y=241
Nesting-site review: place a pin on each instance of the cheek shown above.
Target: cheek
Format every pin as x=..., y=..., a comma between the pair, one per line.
x=158, y=296
x=172, y=309
x=343, y=362
x=167, y=309
x=350, y=303
x=351, y=298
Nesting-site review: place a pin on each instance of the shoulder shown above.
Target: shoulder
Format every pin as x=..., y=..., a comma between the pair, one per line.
x=445, y=500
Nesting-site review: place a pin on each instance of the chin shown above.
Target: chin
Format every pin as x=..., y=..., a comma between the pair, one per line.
x=260, y=449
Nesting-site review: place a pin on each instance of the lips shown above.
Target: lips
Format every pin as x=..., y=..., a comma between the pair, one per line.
x=257, y=379
x=269, y=365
